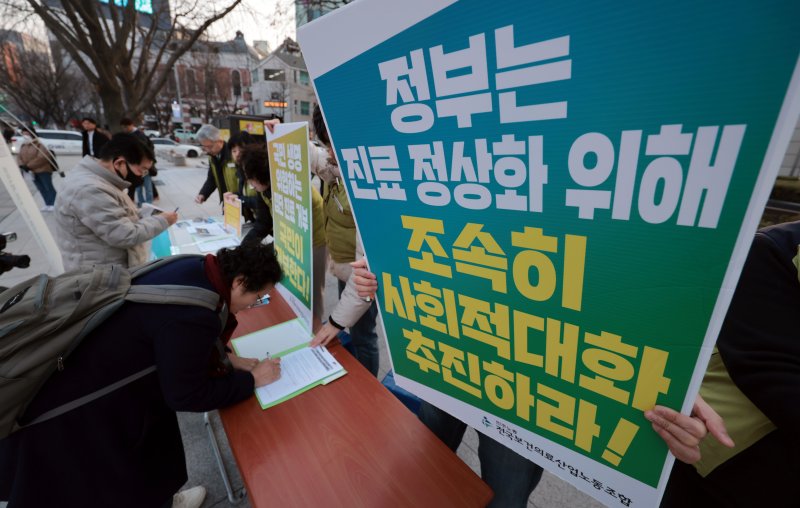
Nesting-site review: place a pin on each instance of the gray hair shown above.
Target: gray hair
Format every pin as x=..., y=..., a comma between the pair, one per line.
x=208, y=133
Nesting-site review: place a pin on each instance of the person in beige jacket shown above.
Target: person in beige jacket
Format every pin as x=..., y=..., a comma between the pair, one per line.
x=34, y=157
x=96, y=222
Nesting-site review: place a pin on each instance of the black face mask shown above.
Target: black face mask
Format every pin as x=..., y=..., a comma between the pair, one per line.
x=131, y=178
x=134, y=180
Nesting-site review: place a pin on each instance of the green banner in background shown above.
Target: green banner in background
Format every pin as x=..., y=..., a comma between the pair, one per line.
x=557, y=199
x=291, y=213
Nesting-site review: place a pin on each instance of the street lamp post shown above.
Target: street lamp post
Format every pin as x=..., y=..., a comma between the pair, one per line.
x=178, y=91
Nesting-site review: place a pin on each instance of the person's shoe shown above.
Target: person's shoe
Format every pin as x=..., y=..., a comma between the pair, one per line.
x=189, y=498
x=47, y=208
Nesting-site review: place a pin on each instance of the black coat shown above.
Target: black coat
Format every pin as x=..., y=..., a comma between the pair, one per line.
x=98, y=141
x=760, y=345
x=262, y=225
x=124, y=449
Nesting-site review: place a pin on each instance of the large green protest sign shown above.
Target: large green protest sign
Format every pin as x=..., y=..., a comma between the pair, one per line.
x=291, y=213
x=557, y=199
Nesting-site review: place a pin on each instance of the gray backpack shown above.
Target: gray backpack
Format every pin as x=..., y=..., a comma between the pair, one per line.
x=43, y=319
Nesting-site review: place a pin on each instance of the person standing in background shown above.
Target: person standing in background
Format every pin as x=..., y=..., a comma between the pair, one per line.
x=8, y=133
x=245, y=192
x=35, y=157
x=93, y=139
x=144, y=192
x=222, y=176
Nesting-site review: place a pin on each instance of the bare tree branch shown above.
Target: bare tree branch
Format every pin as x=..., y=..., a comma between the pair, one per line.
x=125, y=55
x=47, y=91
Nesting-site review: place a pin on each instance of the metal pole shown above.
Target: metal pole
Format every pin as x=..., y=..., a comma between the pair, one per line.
x=232, y=499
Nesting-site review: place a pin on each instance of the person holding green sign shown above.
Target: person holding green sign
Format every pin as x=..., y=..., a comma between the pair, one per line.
x=255, y=169
x=344, y=245
x=753, y=382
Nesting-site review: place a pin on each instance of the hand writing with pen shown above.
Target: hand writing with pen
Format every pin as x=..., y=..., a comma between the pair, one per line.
x=264, y=372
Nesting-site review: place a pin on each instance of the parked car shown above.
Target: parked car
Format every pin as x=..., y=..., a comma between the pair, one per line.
x=163, y=146
x=59, y=142
x=151, y=133
x=184, y=135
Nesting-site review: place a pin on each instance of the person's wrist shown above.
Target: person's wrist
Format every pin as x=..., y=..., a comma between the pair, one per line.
x=334, y=323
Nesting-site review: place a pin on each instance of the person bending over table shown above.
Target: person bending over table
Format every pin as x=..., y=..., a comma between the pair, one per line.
x=124, y=449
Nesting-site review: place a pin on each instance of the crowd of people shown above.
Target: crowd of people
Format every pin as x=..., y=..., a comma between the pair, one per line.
x=130, y=442
x=38, y=160
x=97, y=222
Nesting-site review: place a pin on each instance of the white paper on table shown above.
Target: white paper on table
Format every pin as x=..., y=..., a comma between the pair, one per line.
x=273, y=340
x=210, y=229
x=215, y=245
x=300, y=370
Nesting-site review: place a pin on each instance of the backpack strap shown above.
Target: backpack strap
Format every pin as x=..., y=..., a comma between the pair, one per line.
x=173, y=294
x=157, y=263
x=69, y=406
x=181, y=295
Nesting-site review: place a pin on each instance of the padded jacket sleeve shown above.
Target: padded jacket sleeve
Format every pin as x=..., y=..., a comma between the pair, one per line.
x=111, y=223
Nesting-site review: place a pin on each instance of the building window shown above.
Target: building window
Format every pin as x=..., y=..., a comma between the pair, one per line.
x=236, y=79
x=274, y=75
x=304, y=78
x=191, y=84
x=304, y=107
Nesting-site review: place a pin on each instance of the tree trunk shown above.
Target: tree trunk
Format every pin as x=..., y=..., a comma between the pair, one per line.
x=113, y=108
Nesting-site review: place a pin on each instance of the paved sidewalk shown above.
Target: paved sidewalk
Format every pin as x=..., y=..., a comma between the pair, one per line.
x=177, y=187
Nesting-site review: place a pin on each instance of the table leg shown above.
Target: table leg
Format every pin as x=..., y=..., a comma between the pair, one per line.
x=231, y=496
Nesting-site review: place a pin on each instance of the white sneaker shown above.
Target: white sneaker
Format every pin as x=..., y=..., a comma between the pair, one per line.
x=47, y=208
x=189, y=498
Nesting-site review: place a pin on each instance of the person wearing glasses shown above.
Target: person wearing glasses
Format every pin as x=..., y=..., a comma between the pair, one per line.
x=96, y=222
x=125, y=449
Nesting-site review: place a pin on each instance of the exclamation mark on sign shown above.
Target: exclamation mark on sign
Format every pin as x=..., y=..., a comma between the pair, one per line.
x=620, y=441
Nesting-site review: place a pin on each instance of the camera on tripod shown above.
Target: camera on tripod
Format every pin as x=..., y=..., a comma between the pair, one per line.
x=9, y=261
